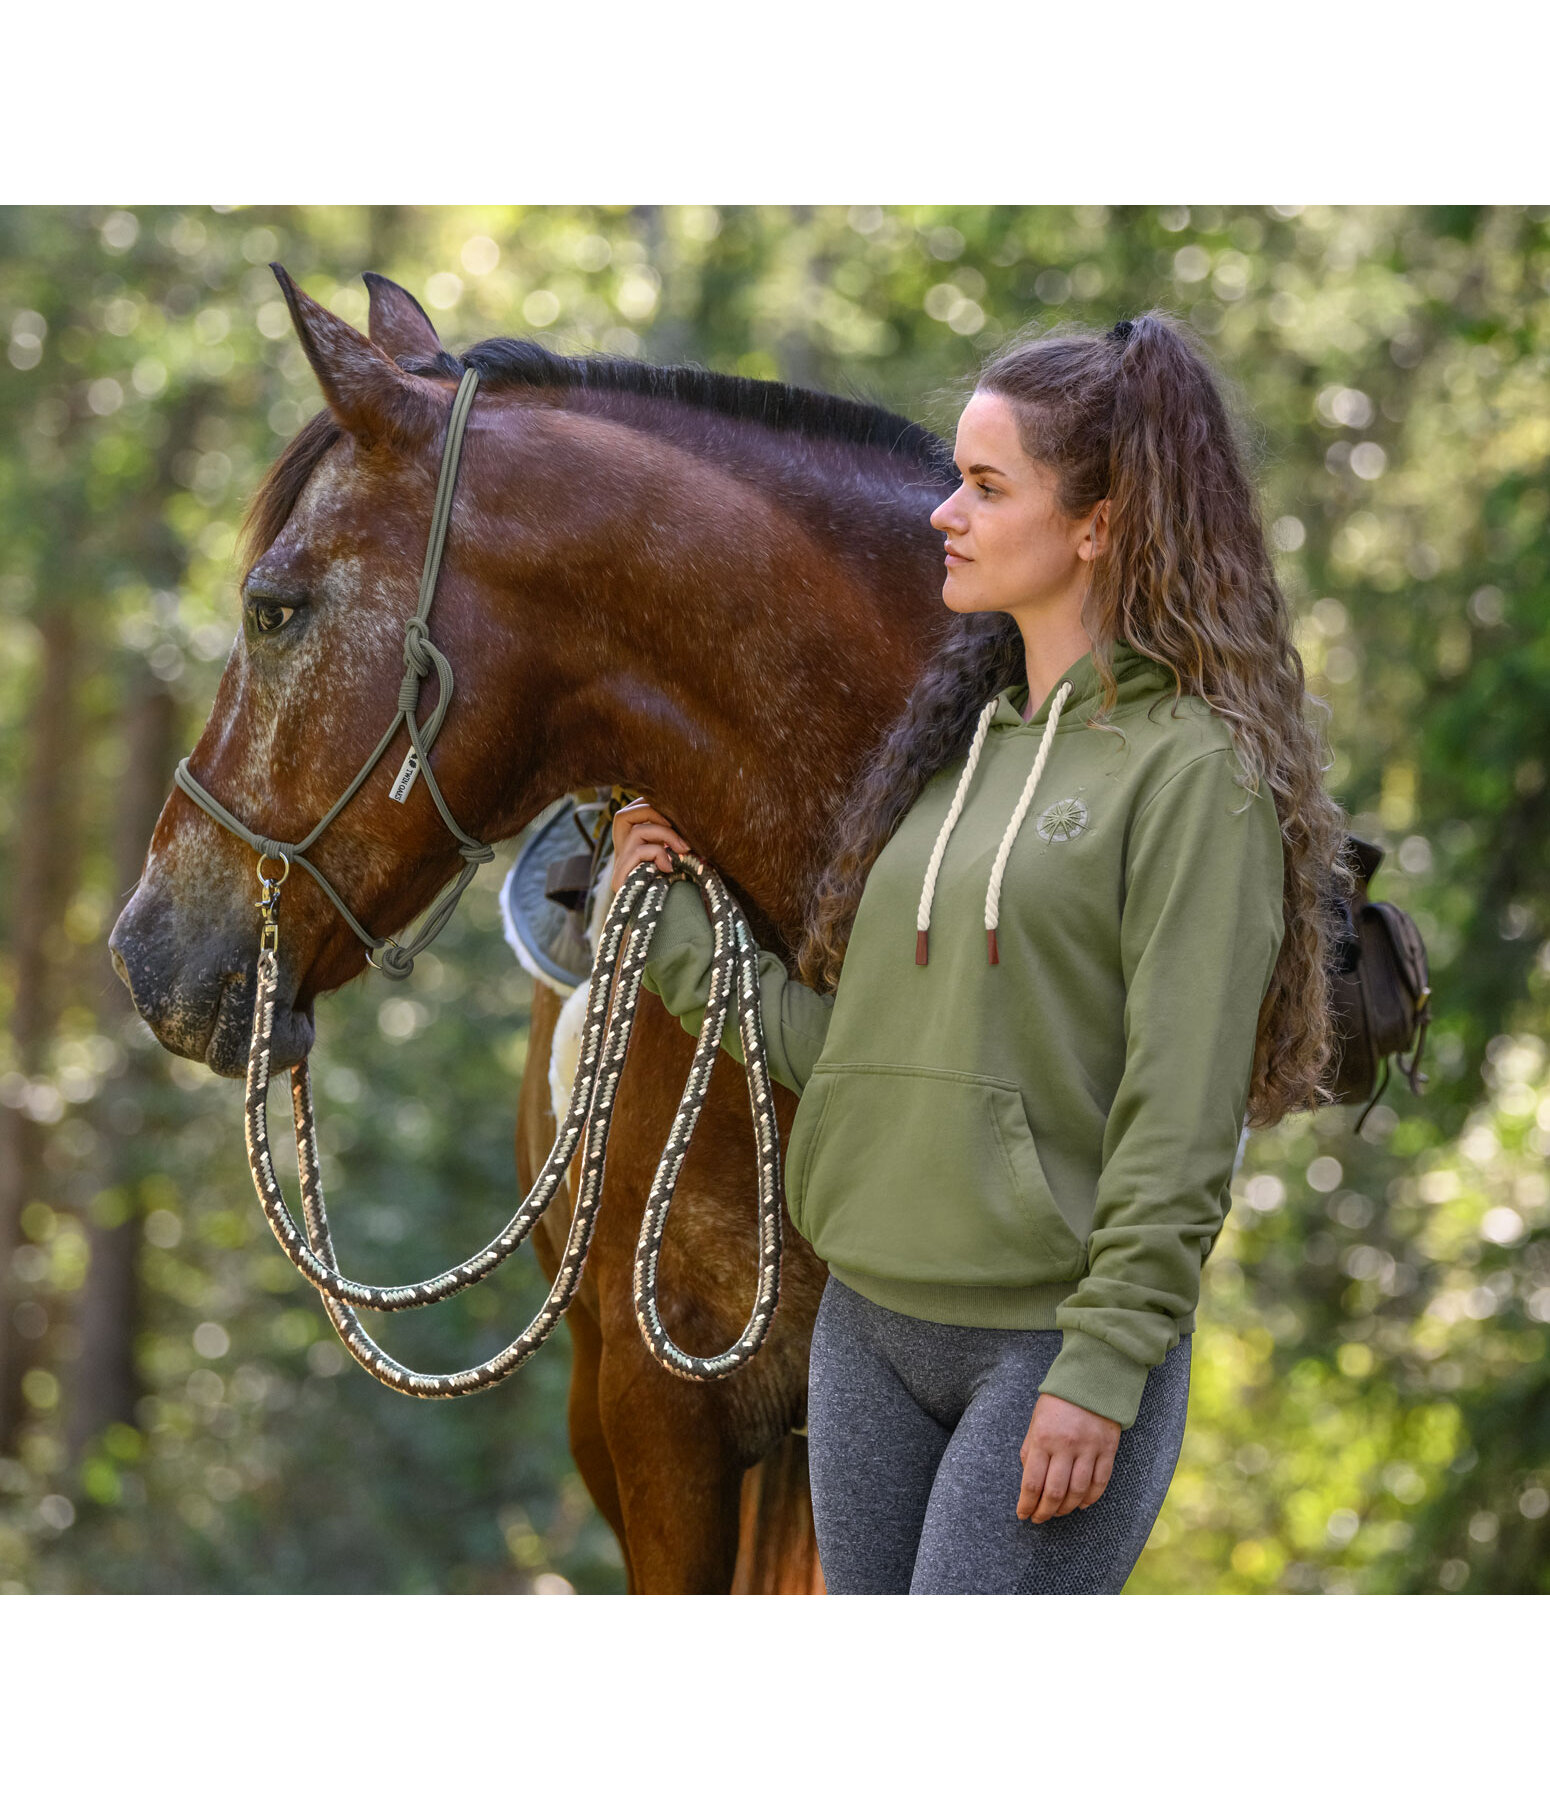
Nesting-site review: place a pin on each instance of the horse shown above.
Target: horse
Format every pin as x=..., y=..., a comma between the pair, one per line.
x=708, y=589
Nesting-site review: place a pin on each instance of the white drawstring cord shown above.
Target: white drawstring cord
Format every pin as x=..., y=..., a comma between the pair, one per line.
x=928, y=887
x=1009, y=836
x=993, y=892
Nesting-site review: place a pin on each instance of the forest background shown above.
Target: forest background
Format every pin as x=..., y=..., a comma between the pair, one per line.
x=1371, y=1401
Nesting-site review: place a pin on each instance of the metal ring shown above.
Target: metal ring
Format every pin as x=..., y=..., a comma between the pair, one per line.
x=386, y=942
x=263, y=857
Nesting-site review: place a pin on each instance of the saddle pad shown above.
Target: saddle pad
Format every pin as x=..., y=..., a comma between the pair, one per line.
x=547, y=937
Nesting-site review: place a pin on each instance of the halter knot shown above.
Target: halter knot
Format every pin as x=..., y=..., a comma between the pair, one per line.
x=417, y=665
x=416, y=647
x=396, y=962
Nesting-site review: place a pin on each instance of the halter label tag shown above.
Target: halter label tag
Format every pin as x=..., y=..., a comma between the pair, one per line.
x=405, y=778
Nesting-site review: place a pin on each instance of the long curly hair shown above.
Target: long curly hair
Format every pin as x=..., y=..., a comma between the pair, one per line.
x=1186, y=578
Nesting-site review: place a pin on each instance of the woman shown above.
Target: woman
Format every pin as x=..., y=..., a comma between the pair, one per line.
x=1082, y=901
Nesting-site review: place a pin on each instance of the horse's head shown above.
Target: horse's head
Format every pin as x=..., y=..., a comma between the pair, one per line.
x=714, y=590
x=313, y=678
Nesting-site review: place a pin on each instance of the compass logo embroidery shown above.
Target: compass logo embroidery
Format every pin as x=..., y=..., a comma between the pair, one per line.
x=1061, y=820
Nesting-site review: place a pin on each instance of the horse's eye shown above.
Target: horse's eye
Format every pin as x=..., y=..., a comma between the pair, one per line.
x=268, y=615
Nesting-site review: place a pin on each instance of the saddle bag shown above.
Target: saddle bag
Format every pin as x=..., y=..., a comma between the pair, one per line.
x=1381, y=989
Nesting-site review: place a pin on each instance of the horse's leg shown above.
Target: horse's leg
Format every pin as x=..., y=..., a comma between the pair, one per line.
x=697, y=1459
x=777, y=1552
x=588, y=1442
x=700, y=1495
x=535, y=1133
x=676, y=1515
x=679, y=1492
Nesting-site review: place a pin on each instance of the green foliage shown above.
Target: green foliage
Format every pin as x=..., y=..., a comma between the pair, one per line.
x=1371, y=1392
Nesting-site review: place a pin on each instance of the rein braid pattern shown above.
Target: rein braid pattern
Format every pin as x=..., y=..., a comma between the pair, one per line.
x=605, y=1039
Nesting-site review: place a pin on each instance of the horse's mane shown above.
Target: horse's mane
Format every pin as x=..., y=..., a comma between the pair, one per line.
x=518, y=362
x=505, y=363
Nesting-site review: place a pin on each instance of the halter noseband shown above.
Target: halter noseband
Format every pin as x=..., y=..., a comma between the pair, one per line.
x=420, y=657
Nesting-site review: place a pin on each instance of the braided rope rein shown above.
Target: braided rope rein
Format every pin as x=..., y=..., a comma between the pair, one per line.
x=605, y=1039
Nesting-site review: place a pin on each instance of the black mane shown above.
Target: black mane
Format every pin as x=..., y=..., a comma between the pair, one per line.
x=519, y=362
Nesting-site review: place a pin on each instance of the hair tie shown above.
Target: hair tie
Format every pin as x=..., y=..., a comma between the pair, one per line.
x=1122, y=330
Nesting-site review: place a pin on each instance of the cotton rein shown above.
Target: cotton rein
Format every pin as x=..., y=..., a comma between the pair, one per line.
x=612, y=998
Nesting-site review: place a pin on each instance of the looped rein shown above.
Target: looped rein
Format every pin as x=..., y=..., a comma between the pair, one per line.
x=612, y=999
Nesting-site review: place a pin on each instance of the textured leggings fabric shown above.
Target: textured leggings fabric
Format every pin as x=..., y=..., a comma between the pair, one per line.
x=913, y=1433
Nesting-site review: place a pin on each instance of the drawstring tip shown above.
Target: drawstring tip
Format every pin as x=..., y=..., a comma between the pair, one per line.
x=995, y=955
x=920, y=949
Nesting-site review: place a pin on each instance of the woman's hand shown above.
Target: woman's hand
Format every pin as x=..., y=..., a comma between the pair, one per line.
x=1068, y=1456
x=642, y=834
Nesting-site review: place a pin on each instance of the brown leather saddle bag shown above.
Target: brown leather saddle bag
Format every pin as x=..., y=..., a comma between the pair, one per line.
x=1381, y=990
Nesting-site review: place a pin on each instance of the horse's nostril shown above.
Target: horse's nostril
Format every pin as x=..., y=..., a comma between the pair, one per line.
x=119, y=967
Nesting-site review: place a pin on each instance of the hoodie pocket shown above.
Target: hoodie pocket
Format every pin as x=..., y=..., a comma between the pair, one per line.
x=806, y=1128
x=925, y=1175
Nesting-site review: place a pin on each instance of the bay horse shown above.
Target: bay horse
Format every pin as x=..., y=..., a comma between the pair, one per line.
x=710, y=590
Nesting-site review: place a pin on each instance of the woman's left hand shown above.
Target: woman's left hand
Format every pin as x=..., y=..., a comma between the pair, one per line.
x=1068, y=1456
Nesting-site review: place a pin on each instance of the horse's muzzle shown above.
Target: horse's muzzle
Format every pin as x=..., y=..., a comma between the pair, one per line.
x=198, y=999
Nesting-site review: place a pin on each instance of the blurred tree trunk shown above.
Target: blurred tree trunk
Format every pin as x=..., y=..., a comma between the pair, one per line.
x=100, y=1381
x=104, y=1386
x=43, y=858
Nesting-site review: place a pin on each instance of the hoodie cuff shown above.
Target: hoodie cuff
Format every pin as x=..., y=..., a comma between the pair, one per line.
x=1088, y=1372
x=682, y=920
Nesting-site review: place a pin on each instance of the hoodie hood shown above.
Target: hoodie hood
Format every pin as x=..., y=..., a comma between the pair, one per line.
x=1135, y=673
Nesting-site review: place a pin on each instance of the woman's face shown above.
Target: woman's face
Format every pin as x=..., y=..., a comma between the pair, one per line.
x=1009, y=546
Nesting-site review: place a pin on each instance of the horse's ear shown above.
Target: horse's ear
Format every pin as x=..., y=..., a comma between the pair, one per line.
x=367, y=392
x=398, y=322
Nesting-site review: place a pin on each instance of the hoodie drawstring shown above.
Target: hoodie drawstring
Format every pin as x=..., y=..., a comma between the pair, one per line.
x=1014, y=824
x=928, y=889
x=1008, y=838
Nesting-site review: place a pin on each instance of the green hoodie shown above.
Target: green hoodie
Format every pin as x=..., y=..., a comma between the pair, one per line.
x=1044, y=1140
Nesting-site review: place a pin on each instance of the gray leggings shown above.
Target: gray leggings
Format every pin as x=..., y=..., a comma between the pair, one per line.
x=913, y=1431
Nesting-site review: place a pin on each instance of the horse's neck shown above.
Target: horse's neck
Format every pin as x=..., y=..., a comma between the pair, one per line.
x=749, y=749
x=736, y=668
